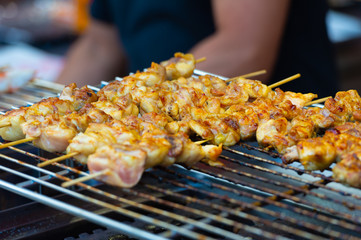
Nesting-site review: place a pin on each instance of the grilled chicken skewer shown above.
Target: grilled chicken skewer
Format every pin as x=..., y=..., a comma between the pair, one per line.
x=241, y=121
x=181, y=65
x=341, y=144
x=127, y=150
x=319, y=153
x=348, y=170
x=281, y=134
x=54, y=132
x=70, y=100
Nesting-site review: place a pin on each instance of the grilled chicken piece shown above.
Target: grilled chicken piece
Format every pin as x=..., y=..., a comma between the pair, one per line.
x=321, y=117
x=53, y=132
x=156, y=74
x=234, y=94
x=299, y=99
x=97, y=135
x=253, y=88
x=346, y=105
x=158, y=120
x=273, y=133
x=117, y=110
x=174, y=127
x=319, y=153
x=78, y=97
x=86, y=115
x=189, y=97
x=116, y=89
x=192, y=153
x=247, y=123
x=301, y=128
x=314, y=154
x=181, y=65
x=352, y=128
x=39, y=110
x=348, y=170
x=16, y=119
x=125, y=164
x=210, y=85
x=150, y=101
x=157, y=146
x=218, y=131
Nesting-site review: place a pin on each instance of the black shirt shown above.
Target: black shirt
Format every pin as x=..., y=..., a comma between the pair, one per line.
x=154, y=30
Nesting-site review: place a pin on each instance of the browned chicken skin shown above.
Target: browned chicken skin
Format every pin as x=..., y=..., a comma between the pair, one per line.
x=319, y=153
x=348, y=170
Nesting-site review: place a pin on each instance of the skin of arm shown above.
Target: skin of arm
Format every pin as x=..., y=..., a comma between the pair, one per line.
x=96, y=56
x=247, y=37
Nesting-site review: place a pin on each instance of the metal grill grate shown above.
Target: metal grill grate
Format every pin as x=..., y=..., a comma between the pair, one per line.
x=253, y=195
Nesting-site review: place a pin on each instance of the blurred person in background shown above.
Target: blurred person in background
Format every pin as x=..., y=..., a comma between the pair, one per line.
x=284, y=37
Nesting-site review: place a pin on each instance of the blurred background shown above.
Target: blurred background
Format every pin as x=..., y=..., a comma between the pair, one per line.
x=36, y=34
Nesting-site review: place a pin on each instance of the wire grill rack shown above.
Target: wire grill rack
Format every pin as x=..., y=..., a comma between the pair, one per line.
x=252, y=195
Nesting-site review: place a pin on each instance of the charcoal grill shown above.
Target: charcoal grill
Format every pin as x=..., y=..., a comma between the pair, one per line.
x=252, y=196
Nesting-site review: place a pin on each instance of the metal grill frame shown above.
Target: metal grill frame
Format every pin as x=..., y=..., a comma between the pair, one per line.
x=252, y=195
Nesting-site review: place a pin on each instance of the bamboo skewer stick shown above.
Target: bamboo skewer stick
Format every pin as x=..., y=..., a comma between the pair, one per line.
x=69, y=155
x=201, y=60
x=286, y=80
x=85, y=178
x=201, y=141
x=320, y=100
x=47, y=84
x=252, y=74
x=5, y=145
x=58, y=159
x=5, y=124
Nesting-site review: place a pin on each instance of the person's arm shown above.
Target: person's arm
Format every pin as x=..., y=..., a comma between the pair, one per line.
x=96, y=56
x=247, y=37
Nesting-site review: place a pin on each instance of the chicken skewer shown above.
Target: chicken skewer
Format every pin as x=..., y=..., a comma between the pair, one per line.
x=145, y=97
x=348, y=170
x=341, y=144
x=242, y=121
x=131, y=149
x=337, y=111
x=81, y=123
x=54, y=132
x=71, y=99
